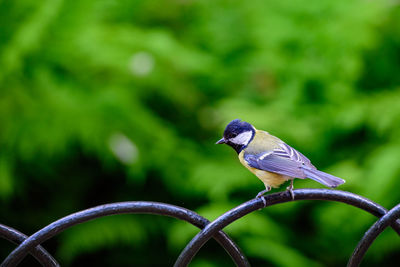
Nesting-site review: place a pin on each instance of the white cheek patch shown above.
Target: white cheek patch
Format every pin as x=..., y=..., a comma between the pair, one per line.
x=243, y=138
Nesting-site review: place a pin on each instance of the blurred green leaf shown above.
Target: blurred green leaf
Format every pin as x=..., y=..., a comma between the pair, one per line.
x=100, y=233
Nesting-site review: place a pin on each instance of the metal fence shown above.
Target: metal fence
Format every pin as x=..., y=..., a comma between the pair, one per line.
x=31, y=245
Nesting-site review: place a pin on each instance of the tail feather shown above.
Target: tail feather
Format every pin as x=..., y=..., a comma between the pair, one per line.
x=323, y=177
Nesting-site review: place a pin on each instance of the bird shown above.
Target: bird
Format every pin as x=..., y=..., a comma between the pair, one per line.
x=273, y=161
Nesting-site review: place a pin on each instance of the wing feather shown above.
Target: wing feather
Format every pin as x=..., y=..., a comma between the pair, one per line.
x=287, y=151
x=290, y=162
x=275, y=163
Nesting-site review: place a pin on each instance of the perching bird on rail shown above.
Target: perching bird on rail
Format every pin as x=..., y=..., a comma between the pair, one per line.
x=270, y=159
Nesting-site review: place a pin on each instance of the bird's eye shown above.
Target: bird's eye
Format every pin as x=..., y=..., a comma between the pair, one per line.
x=232, y=135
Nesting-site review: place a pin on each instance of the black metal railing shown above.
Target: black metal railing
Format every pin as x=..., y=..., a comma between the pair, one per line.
x=32, y=244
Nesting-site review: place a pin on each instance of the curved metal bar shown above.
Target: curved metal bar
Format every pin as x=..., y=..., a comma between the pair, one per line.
x=40, y=254
x=258, y=203
x=119, y=208
x=372, y=233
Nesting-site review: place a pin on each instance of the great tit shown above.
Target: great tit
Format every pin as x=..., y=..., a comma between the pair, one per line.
x=270, y=159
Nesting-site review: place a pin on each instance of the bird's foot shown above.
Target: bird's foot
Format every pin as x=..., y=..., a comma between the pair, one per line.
x=290, y=189
x=266, y=190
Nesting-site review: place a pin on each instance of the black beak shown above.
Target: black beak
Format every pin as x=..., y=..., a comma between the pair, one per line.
x=221, y=141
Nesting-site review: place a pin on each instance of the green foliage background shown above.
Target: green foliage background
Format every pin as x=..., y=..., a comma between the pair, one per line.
x=106, y=101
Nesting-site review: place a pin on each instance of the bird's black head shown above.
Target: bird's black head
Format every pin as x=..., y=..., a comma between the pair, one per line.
x=238, y=135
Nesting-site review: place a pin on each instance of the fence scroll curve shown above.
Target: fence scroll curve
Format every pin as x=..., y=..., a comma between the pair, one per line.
x=209, y=230
x=16, y=237
x=142, y=207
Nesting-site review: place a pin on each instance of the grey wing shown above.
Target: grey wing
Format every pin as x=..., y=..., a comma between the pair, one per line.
x=288, y=161
x=269, y=161
x=289, y=152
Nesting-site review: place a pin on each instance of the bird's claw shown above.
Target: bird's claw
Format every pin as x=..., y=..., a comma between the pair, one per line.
x=291, y=192
x=266, y=190
x=290, y=189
